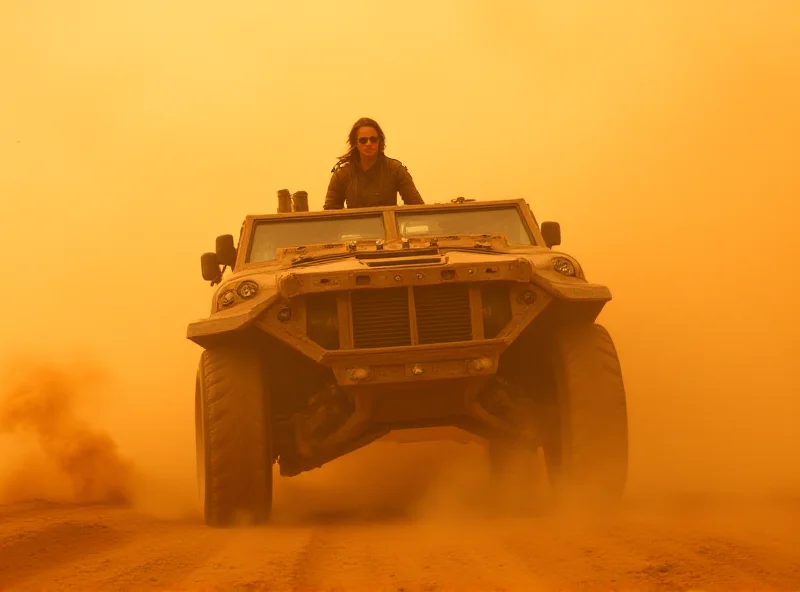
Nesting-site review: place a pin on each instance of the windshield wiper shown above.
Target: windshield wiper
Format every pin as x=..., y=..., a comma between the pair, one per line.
x=302, y=259
x=406, y=252
x=364, y=255
x=481, y=243
x=478, y=247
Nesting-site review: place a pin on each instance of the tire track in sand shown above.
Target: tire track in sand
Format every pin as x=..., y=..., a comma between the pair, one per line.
x=408, y=555
x=97, y=548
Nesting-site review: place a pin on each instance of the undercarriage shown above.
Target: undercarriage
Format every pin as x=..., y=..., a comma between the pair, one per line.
x=338, y=420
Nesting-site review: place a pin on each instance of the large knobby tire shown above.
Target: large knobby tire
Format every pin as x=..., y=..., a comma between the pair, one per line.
x=234, y=437
x=586, y=447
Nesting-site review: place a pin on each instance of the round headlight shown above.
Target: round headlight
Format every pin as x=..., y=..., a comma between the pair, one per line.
x=564, y=266
x=227, y=298
x=247, y=289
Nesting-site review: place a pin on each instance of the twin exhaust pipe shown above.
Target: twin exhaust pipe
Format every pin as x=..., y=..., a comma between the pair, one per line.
x=292, y=202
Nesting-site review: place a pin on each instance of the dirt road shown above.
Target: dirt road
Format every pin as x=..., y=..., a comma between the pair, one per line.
x=678, y=546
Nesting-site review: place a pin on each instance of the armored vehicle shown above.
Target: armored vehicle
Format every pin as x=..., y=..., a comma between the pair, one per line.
x=334, y=328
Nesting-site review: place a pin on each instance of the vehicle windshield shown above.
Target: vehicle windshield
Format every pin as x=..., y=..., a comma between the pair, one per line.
x=271, y=235
x=505, y=220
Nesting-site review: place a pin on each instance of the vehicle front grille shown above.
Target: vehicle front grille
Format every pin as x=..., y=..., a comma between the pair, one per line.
x=443, y=313
x=381, y=318
x=403, y=316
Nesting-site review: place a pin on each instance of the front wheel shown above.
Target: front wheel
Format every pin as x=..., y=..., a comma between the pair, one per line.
x=234, y=437
x=586, y=446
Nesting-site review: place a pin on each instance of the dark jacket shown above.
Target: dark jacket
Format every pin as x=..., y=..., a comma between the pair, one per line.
x=377, y=186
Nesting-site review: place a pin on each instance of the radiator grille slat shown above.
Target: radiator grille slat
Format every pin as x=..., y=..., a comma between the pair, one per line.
x=443, y=313
x=381, y=318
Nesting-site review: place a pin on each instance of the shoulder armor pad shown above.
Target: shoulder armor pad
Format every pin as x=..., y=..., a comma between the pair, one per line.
x=339, y=166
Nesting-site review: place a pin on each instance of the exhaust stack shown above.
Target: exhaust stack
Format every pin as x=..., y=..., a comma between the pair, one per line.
x=300, y=201
x=284, y=201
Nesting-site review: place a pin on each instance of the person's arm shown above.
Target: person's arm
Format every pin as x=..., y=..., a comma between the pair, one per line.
x=406, y=188
x=334, y=198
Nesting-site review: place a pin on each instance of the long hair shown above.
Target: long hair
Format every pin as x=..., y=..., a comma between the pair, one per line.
x=352, y=154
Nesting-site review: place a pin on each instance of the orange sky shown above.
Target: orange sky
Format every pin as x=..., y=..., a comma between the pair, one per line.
x=662, y=135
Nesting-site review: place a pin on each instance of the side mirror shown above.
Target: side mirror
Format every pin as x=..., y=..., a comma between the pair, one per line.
x=210, y=266
x=226, y=252
x=551, y=231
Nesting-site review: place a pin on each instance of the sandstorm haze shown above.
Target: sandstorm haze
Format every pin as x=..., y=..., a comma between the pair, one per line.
x=662, y=135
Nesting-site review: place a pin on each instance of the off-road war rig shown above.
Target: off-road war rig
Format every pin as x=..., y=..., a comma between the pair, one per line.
x=335, y=328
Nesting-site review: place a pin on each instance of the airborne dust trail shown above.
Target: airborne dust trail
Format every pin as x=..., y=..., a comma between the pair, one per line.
x=72, y=461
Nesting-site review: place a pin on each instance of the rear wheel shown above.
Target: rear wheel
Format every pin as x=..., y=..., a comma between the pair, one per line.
x=234, y=437
x=586, y=442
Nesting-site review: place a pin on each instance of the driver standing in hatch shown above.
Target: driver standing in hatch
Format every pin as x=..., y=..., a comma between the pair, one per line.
x=365, y=177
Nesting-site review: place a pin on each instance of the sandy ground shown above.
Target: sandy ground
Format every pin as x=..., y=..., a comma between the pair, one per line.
x=76, y=513
x=663, y=545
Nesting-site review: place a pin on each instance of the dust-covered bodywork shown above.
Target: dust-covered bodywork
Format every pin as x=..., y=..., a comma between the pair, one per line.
x=336, y=328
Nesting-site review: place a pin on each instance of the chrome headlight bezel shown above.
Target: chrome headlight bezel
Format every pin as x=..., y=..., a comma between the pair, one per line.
x=227, y=299
x=247, y=289
x=564, y=266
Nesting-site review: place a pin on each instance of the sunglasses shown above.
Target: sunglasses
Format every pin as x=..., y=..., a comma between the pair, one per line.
x=373, y=139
